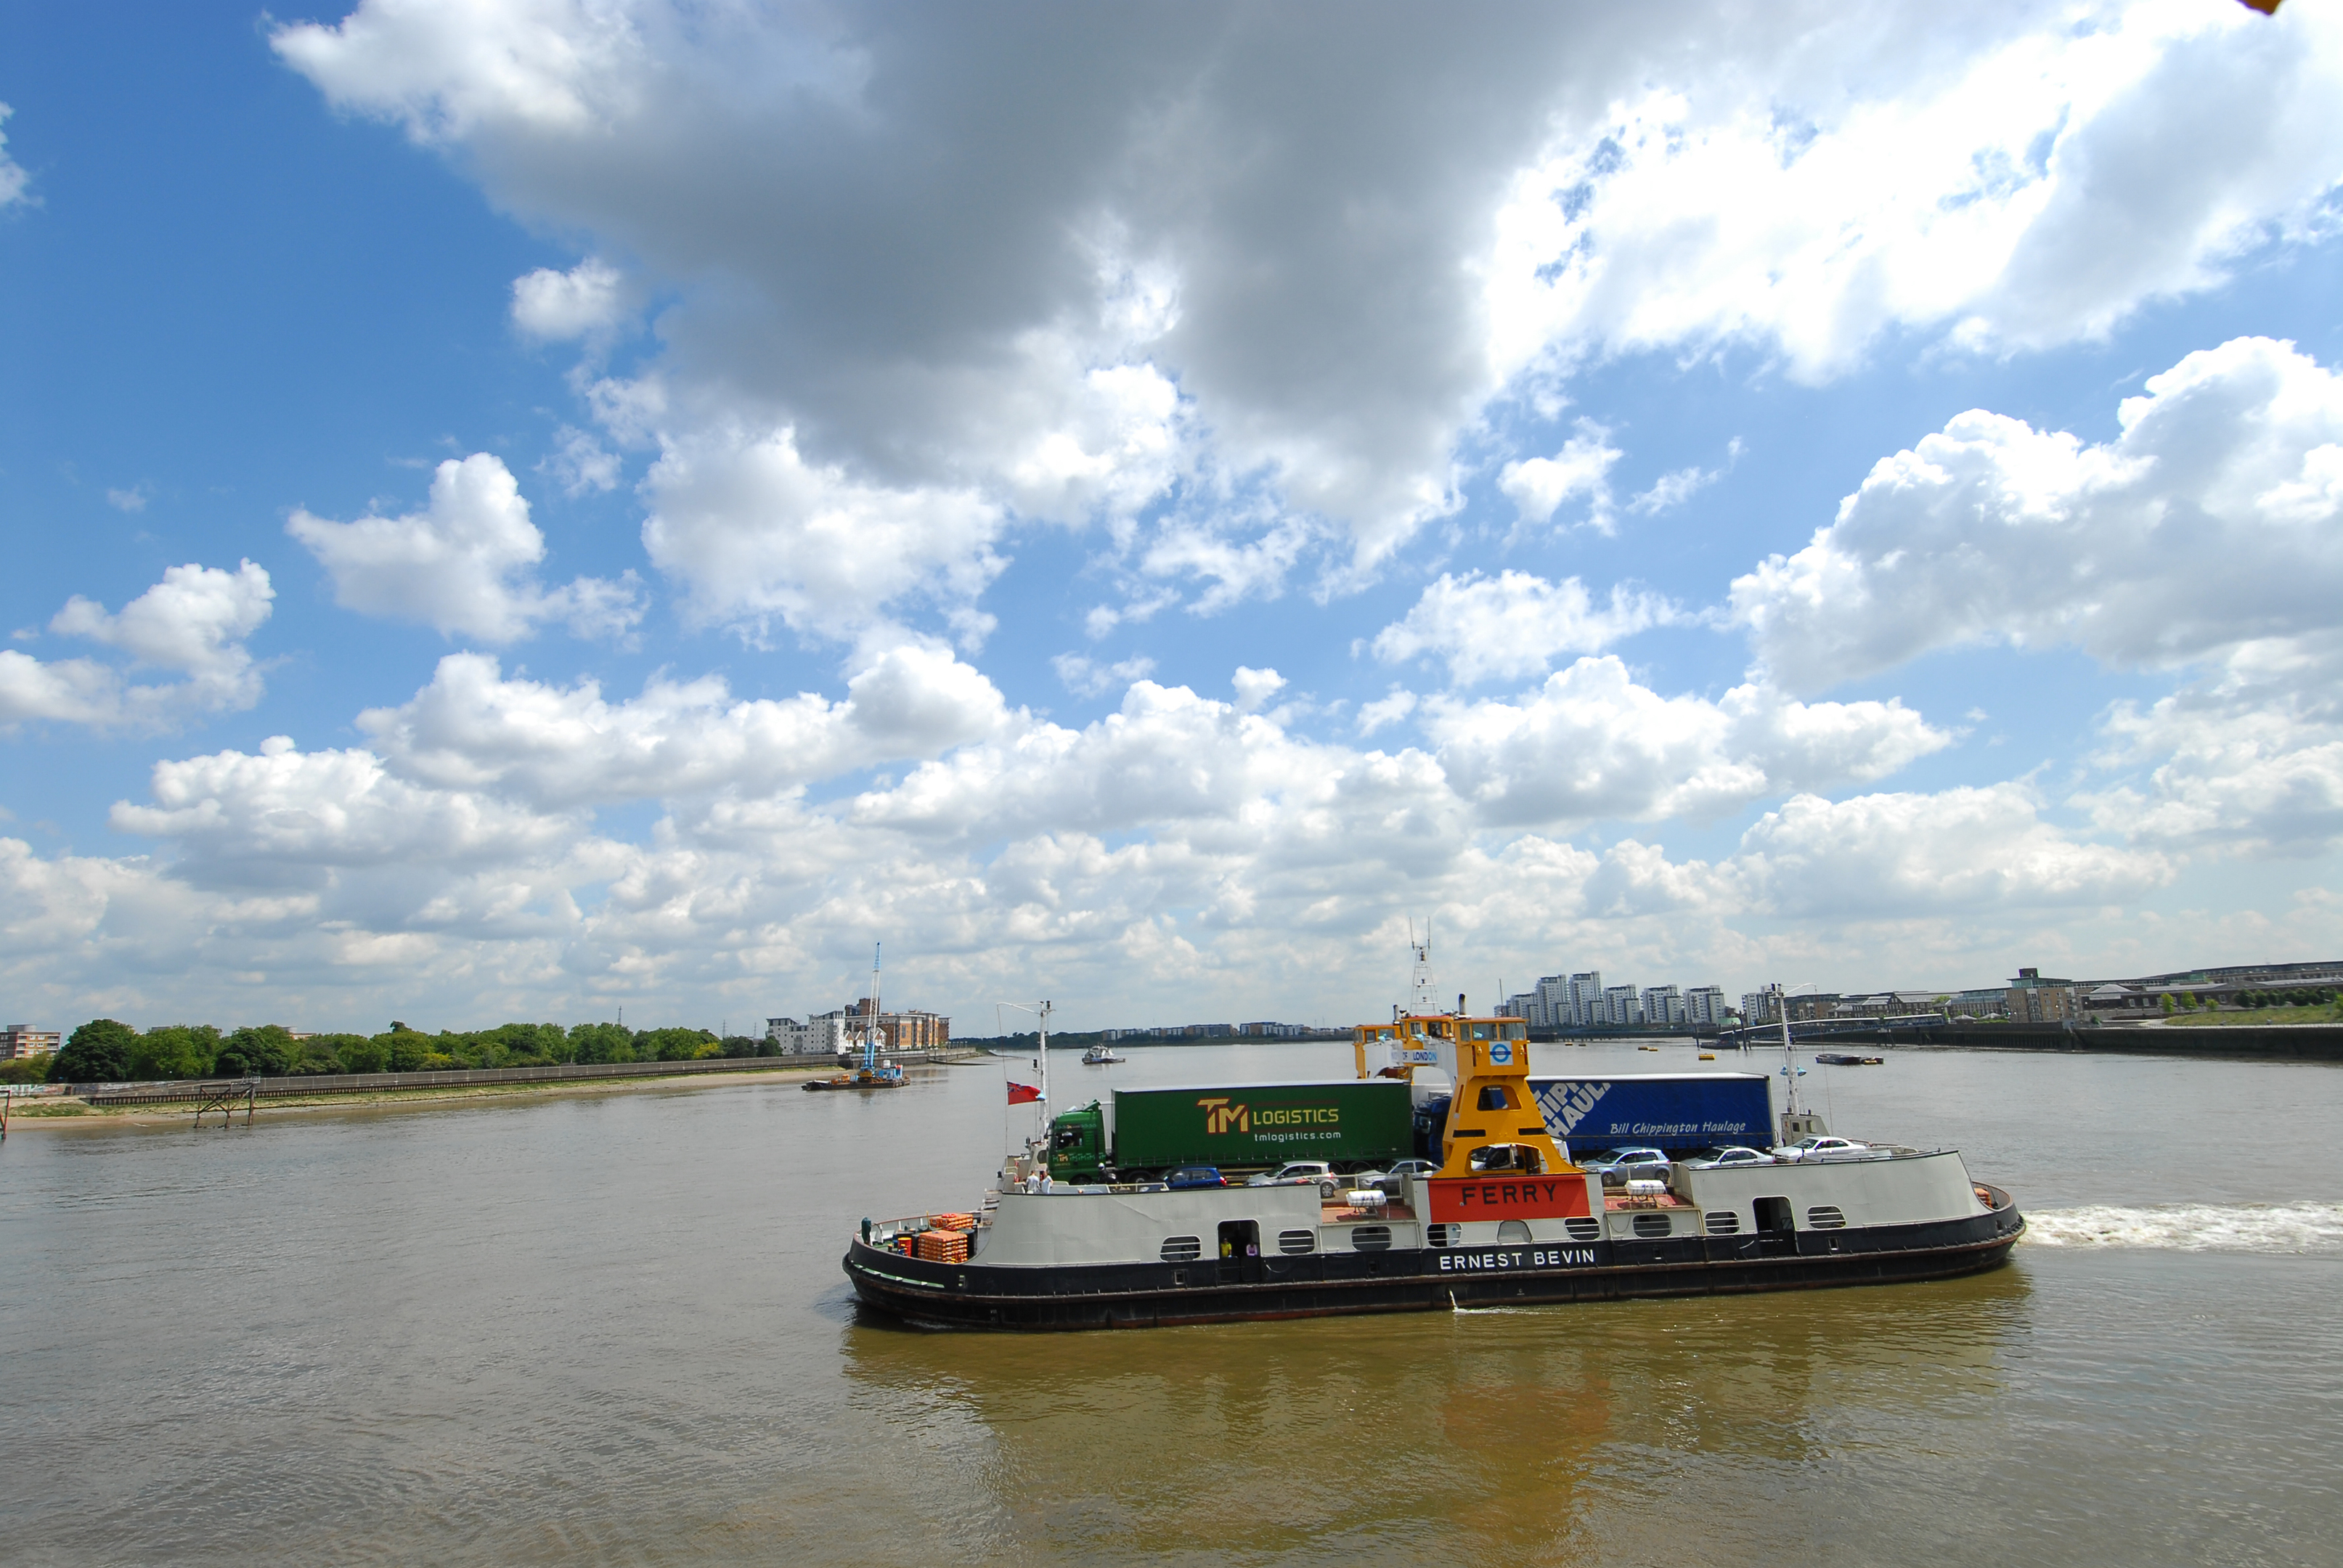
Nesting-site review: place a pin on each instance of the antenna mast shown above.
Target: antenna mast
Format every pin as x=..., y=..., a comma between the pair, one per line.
x=1419, y=999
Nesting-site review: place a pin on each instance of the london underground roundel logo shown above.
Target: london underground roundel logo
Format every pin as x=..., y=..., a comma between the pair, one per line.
x=1500, y=1053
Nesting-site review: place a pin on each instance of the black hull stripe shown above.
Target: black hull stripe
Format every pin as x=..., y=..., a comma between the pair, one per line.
x=1056, y=1298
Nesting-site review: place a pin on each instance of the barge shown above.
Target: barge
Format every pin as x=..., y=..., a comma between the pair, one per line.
x=1506, y=1218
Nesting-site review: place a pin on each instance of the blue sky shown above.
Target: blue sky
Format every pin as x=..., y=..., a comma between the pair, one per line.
x=523, y=509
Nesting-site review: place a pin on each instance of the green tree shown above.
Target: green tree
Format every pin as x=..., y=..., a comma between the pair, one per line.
x=266, y=1050
x=176, y=1051
x=406, y=1047
x=2166, y=1000
x=361, y=1054
x=98, y=1052
x=602, y=1042
x=327, y=1052
x=34, y=1068
x=676, y=1044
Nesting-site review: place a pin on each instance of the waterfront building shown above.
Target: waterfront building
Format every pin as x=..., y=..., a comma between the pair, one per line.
x=1704, y=1005
x=823, y=1036
x=1620, y=1006
x=1984, y=1001
x=1663, y=1005
x=2031, y=999
x=24, y=1040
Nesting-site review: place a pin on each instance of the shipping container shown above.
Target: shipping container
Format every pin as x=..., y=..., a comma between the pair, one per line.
x=1676, y=1112
x=1350, y=1123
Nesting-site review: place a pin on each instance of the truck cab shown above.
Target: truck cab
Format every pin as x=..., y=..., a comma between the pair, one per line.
x=1078, y=1145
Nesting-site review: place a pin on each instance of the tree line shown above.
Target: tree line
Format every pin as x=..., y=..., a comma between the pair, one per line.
x=106, y=1051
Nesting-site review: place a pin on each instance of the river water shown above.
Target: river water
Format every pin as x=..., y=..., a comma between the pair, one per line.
x=613, y=1329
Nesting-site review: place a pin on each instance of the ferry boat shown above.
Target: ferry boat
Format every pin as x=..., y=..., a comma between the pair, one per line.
x=1506, y=1218
x=1100, y=1056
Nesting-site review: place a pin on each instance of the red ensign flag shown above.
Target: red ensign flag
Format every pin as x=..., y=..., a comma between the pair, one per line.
x=1019, y=1093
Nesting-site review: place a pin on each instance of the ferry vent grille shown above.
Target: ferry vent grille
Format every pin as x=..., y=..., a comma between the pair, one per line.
x=1826, y=1217
x=1182, y=1249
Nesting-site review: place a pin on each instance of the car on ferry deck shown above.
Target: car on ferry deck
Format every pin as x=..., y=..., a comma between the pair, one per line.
x=1822, y=1148
x=1188, y=1178
x=1294, y=1172
x=1728, y=1154
x=1636, y=1164
x=1394, y=1179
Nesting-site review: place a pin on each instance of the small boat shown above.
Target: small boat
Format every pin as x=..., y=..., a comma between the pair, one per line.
x=880, y=1075
x=1100, y=1056
x=873, y=1073
x=1840, y=1059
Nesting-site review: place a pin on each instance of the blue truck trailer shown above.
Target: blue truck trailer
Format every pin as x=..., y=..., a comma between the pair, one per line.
x=1670, y=1111
x=1677, y=1111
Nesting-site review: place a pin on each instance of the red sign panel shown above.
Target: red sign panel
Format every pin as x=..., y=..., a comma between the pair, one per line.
x=1454, y=1197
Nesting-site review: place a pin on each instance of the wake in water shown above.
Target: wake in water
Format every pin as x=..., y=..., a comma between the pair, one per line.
x=2194, y=1227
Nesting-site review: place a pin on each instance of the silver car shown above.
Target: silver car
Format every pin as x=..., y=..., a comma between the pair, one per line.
x=1294, y=1172
x=1622, y=1165
x=1393, y=1180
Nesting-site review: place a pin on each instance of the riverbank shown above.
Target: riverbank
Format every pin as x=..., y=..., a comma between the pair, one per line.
x=80, y=1110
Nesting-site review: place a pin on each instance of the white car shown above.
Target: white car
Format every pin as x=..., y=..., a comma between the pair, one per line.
x=1728, y=1154
x=1293, y=1173
x=1820, y=1148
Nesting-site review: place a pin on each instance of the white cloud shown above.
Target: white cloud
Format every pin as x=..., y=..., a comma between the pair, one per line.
x=12, y=177
x=287, y=812
x=2209, y=522
x=1513, y=624
x=1675, y=487
x=2031, y=179
x=1386, y=711
x=1085, y=677
x=753, y=530
x=1593, y=744
x=1966, y=848
x=580, y=464
x=1539, y=485
x=556, y=748
x=1186, y=272
x=133, y=500
x=194, y=621
x=587, y=301
x=461, y=565
x=1256, y=687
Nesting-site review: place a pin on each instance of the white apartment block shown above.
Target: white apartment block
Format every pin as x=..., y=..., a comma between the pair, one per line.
x=1704, y=1005
x=824, y=1035
x=1620, y=1006
x=1662, y=1004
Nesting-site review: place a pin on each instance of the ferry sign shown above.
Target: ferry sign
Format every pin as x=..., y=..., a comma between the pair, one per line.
x=1454, y=1197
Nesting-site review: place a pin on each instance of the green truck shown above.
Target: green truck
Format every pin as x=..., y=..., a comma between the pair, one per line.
x=1140, y=1133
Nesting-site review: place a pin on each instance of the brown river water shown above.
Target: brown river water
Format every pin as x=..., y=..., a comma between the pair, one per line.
x=613, y=1329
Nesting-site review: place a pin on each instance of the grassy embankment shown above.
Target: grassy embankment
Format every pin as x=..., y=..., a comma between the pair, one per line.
x=2327, y=1012
x=417, y=1097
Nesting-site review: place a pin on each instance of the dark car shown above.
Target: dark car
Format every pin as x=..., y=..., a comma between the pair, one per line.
x=1188, y=1177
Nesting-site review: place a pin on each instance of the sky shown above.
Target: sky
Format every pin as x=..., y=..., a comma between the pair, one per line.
x=522, y=508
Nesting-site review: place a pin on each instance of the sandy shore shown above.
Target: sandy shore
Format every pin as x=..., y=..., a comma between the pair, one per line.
x=67, y=1111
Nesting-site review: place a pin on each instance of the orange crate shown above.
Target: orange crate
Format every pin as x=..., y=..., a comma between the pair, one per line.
x=943, y=1246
